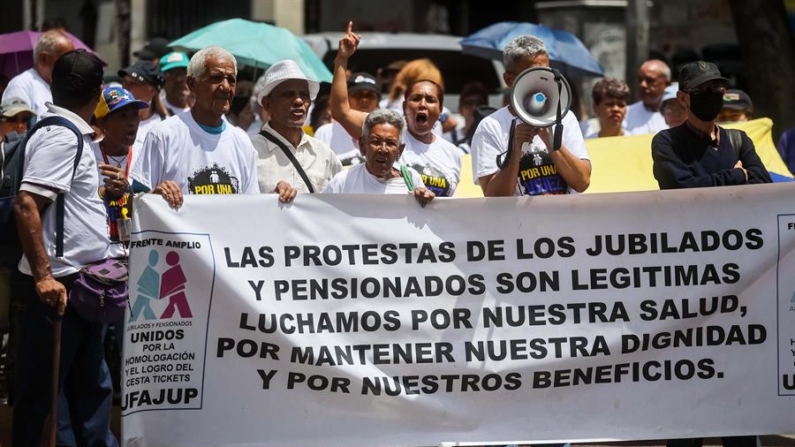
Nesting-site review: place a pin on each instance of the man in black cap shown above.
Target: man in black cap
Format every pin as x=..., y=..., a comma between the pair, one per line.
x=48, y=269
x=144, y=80
x=153, y=50
x=701, y=153
x=363, y=95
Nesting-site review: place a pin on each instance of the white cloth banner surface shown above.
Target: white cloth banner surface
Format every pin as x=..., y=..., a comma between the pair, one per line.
x=368, y=321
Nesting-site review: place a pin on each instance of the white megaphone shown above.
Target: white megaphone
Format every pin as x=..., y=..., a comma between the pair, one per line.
x=536, y=93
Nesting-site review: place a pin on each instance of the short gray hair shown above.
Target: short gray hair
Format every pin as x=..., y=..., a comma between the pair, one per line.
x=198, y=63
x=520, y=47
x=49, y=42
x=384, y=116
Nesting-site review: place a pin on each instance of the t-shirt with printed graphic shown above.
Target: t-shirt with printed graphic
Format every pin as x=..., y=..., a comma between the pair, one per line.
x=200, y=162
x=537, y=173
x=439, y=163
x=358, y=180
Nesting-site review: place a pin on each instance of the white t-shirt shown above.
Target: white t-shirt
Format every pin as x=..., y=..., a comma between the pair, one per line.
x=49, y=162
x=31, y=87
x=537, y=173
x=179, y=149
x=143, y=130
x=358, y=180
x=640, y=120
x=439, y=163
x=340, y=141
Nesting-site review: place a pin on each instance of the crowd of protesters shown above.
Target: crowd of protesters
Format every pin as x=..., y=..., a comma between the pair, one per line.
x=168, y=125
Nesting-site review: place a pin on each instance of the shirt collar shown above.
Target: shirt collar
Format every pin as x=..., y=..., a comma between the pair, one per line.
x=267, y=128
x=713, y=142
x=81, y=125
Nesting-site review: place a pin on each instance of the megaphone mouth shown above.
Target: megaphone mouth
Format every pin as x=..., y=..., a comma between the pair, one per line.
x=535, y=95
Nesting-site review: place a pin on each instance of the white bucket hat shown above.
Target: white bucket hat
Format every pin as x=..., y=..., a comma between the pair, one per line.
x=284, y=71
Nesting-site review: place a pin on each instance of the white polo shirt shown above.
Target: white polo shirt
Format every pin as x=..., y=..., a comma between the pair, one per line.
x=317, y=159
x=639, y=120
x=31, y=87
x=49, y=162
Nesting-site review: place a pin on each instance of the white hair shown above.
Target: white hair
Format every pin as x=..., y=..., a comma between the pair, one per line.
x=49, y=42
x=198, y=63
x=520, y=47
x=384, y=116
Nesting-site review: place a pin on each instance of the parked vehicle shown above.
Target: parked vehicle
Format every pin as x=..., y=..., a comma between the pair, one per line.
x=377, y=50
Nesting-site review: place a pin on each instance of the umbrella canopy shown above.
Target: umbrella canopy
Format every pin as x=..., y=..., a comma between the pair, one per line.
x=16, y=51
x=566, y=52
x=256, y=44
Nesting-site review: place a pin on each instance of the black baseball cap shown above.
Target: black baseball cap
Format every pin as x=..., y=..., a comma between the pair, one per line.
x=695, y=74
x=145, y=71
x=737, y=100
x=78, y=71
x=363, y=81
x=155, y=48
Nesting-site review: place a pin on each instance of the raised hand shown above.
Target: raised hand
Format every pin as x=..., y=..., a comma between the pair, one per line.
x=348, y=43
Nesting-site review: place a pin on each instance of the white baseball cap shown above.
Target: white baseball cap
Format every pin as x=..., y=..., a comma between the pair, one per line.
x=284, y=71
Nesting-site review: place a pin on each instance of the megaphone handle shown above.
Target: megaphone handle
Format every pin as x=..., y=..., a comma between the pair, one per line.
x=558, y=135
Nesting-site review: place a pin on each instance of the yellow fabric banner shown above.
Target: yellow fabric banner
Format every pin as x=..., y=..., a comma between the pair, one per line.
x=622, y=164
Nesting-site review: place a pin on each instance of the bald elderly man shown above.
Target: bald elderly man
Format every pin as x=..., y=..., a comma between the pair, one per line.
x=644, y=116
x=33, y=85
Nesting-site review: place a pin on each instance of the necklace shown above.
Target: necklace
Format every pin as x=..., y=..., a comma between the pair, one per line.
x=117, y=160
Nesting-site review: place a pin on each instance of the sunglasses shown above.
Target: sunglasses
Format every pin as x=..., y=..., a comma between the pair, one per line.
x=14, y=119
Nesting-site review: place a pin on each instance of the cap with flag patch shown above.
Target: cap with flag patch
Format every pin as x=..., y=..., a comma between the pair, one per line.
x=114, y=98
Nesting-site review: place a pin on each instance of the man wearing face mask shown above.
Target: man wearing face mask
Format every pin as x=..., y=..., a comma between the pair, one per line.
x=700, y=153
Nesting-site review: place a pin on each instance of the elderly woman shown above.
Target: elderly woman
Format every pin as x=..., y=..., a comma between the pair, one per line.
x=118, y=119
x=381, y=143
x=610, y=97
x=438, y=160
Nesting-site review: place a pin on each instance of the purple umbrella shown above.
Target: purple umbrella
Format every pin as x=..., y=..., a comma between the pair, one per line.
x=16, y=51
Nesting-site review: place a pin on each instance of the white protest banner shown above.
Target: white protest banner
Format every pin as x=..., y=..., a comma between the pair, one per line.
x=368, y=321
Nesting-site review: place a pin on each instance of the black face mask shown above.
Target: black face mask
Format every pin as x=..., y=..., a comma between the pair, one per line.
x=706, y=106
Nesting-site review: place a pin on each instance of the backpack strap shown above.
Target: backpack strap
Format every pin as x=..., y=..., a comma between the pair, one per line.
x=59, y=201
x=736, y=140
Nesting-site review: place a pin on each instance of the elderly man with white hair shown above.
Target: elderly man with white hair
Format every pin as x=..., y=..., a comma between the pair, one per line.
x=33, y=85
x=198, y=151
x=288, y=156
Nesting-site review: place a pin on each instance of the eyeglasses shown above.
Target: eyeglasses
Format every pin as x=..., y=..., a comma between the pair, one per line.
x=711, y=88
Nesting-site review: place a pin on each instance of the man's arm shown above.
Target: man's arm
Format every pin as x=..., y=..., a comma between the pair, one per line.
x=757, y=173
x=672, y=173
x=486, y=141
x=27, y=209
x=575, y=171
